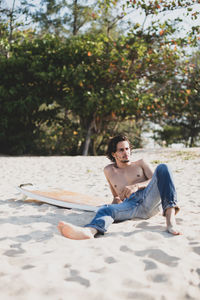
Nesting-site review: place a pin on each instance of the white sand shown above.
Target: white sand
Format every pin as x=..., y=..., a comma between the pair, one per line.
x=134, y=260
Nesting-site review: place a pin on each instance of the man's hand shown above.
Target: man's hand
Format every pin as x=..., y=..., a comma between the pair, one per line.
x=116, y=200
x=128, y=190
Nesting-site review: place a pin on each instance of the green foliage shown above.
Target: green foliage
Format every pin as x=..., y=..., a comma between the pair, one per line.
x=181, y=121
x=170, y=134
x=68, y=95
x=25, y=86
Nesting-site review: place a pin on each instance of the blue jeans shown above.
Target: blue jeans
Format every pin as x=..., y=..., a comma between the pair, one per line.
x=142, y=204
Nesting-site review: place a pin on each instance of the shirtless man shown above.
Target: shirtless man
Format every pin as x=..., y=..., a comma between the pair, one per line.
x=137, y=193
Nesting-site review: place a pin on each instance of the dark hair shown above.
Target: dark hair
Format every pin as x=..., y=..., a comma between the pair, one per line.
x=112, y=145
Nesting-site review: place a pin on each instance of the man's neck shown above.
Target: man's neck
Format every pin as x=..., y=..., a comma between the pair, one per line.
x=122, y=165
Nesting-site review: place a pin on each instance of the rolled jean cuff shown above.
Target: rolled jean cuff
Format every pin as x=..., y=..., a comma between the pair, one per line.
x=177, y=208
x=99, y=229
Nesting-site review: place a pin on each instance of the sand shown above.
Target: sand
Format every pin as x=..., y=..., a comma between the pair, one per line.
x=133, y=260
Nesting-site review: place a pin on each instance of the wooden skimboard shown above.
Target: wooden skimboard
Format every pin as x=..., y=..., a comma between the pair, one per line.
x=62, y=198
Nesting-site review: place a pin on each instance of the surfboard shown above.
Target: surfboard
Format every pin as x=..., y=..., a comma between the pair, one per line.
x=62, y=198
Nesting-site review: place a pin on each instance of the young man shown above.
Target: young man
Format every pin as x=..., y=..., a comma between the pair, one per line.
x=137, y=192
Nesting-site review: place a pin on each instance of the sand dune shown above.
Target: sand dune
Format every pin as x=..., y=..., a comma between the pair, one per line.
x=134, y=260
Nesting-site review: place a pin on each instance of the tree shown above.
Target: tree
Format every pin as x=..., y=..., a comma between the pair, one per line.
x=78, y=15
x=61, y=17
x=27, y=93
x=113, y=81
x=183, y=106
x=82, y=87
x=48, y=16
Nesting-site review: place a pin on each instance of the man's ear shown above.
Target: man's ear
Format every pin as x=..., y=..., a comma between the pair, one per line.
x=113, y=154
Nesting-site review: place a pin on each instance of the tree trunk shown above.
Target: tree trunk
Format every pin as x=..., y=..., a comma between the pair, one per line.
x=11, y=24
x=75, y=12
x=88, y=139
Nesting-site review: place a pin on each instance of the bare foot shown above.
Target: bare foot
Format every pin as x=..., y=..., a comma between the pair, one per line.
x=171, y=222
x=75, y=232
x=173, y=230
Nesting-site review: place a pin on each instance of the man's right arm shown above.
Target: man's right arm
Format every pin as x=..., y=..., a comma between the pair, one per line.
x=116, y=198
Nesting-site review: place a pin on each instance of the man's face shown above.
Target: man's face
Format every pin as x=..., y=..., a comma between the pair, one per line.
x=122, y=153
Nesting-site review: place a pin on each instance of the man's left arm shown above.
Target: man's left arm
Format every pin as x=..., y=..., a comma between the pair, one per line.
x=147, y=169
x=116, y=198
x=148, y=174
x=142, y=185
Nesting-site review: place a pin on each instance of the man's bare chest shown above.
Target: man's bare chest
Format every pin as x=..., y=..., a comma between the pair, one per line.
x=127, y=176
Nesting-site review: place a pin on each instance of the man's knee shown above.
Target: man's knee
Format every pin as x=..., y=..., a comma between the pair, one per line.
x=106, y=210
x=162, y=169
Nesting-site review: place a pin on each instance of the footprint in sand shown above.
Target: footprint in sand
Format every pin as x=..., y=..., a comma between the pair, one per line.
x=196, y=250
x=149, y=265
x=14, y=252
x=27, y=267
x=194, y=243
x=198, y=271
x=22, y=238
x=147, y=227
x=160, y=256
x=124, y=248
x=110, y=260
x=159, y=278
x=128, y=282
x=75, y=277
x=138, y=295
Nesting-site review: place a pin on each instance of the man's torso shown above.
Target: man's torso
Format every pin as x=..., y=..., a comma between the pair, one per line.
x=121, y=177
